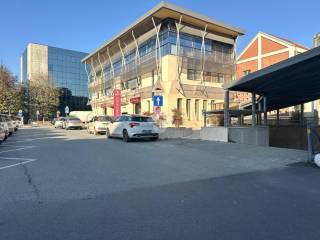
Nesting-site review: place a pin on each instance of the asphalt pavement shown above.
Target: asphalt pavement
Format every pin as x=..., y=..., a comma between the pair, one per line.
x=58, y=184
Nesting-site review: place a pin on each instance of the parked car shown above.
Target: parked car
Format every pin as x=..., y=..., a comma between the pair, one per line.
x=130, y=127
x=3, y=136
x=7, y=119
x=16, y=123
x=4, y=126
x=72, y=123
x=59, y=122
x=99, y=124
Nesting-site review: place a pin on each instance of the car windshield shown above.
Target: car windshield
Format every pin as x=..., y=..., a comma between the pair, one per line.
x=141, y=119
x=103, y=118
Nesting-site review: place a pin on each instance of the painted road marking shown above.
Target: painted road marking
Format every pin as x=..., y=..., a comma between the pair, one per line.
x=13, y=158
x=17, y=164
x=33, y=139
x=17, y=149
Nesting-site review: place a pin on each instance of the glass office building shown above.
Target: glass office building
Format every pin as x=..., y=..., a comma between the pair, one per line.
x=63, y=68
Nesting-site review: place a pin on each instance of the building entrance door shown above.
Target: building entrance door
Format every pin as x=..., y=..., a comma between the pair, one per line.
x=137, y=108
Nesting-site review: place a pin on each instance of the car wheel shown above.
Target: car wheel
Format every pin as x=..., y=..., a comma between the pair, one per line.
x=126, y=137
x=155, y=139
x=108, y=133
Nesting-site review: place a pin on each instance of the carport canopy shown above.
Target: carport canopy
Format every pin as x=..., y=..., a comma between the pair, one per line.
x=288, y=83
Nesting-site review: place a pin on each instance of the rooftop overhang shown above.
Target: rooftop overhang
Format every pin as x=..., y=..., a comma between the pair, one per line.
x=167, y=10
x=288, y=83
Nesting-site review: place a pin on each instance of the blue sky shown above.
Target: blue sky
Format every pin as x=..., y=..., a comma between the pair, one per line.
x=85, y=25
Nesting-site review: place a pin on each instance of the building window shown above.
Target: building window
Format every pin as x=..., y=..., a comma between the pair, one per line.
x=212, y=105
x=179, y=104
x=188, y=107
x=204, y=106
x=193, y=75
x=220, y=78
x=190, y=74
x=246, y=72
x=196, y=109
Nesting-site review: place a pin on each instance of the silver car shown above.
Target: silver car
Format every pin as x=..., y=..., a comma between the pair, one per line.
x=72, y=123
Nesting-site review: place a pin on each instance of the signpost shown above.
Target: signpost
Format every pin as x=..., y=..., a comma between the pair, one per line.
x=158, y=101
x=66, y=110
x=116, y=102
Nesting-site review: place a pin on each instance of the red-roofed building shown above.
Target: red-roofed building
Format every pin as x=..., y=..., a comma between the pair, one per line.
x=263, y=51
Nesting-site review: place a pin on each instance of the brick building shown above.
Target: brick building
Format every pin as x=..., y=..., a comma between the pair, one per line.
x=263, y=51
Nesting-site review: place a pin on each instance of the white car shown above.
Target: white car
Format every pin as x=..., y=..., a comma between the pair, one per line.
x=99, y=124
x=130, y=127
x=4, y=126
x=2, y=134
x=72, y=123
x=6, y=118
x=59, y=122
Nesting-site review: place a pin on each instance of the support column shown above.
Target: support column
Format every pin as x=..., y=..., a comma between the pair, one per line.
x=301, y=113
x=278, y=117
x=111, y=69
x=265, y=112
x=253, y=101
x=259, y=114
x=226, y=108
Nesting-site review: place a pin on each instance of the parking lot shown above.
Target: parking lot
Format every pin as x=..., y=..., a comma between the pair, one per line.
x=58, y=184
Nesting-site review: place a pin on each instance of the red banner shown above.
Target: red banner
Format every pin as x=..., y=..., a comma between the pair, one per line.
x=135, y=99
x=116, y=102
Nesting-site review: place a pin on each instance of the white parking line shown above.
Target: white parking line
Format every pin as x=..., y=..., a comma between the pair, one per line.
x=17, y=164
x=33, y=139
x=13, y=158
x=17, y=149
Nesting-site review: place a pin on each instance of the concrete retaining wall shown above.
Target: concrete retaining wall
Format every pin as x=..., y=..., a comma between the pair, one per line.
x=167, y=133
x=214, y=134
x=249, y=135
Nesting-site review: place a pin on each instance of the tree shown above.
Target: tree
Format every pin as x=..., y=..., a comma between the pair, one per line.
x=43, y=96
x=9, y=91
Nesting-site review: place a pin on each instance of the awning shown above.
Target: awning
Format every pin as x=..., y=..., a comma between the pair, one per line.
x=288, y=83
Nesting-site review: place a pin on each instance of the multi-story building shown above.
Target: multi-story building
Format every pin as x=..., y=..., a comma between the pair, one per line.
x=63, y=68
x=262, y=51
x=178, y=54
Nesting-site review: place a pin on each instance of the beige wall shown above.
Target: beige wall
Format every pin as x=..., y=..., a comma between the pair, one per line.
x=37, y=60
x=170, y=95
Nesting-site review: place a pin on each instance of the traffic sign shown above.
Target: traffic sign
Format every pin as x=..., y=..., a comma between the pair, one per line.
x=38, y=113
x=157, y=110
x=66, y=110
x=158, y=101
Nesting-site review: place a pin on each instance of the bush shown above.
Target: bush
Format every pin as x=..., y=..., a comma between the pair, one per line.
x=177, y=119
